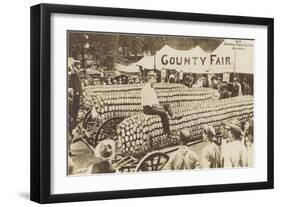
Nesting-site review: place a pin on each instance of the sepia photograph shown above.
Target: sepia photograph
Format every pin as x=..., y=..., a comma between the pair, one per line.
x=156, y=102
x=129, y=103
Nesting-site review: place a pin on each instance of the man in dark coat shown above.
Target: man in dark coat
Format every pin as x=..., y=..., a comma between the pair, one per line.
x=74, y=85
x=236, y=88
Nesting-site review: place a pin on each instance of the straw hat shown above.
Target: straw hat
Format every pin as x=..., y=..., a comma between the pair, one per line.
x=151, y=74
x=210, y=131
x=234, y=128
x=106, y=149
x=185, y=135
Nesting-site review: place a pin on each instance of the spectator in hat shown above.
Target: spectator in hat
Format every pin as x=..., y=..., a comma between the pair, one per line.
x=224, y=141
x=163, y=75
x=198, y=83
x=75, y=85
x=180, y=78
x=142, y=73
x=195, y=84
x=235, y=150
x=225, y=137
x=223, y=90
x=205, y=82
x=248, y=123
x=172, y=78
x=211, y=156
x=249, y=143
x=104, y=152
x=214, y=82
x=191, y=81
x=246, y=88
x=236, y=88
x=219, y=80
x=184, y=157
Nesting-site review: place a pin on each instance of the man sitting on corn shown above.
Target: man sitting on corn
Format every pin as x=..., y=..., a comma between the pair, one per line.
x=151, y=105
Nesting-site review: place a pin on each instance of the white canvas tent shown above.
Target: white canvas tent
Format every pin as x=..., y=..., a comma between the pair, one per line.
x=146, y=62
x=126, y=69
x=245, y=59
x=71, y=61
x=182, y=60
x=241, y=57
x=196, y=60
x=186, y=60
x=166, y=52
x=223, y=50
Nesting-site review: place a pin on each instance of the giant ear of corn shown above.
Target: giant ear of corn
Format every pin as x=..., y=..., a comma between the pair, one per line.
x=140, y=133
x=125, y=100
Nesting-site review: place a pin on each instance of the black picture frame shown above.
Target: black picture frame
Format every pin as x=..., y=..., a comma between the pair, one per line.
x=41, y=99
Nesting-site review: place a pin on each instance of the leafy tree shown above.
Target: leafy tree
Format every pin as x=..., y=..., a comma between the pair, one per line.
x=108, y=48
x=209, y=45
x=77, y=42
x=103, y=48
x=153, y=43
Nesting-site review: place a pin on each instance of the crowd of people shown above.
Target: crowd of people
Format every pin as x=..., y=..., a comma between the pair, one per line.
x=94, y=74
x=234, y=148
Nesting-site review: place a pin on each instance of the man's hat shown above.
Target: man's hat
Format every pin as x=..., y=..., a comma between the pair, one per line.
x=106, y=149
x=185, y=135
x=77, y=63
x=209, y=130
x=151, y=73
x=214, y=77
x=234, y=128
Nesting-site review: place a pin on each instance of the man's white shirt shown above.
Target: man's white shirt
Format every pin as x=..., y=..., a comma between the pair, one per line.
x=148, y=96
x=235, y=154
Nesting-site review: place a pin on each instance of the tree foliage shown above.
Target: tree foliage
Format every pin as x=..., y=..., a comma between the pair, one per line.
x=107, y=48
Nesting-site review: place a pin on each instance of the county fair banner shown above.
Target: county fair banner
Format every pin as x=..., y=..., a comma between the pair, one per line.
x=229, y=56
x=195, y=60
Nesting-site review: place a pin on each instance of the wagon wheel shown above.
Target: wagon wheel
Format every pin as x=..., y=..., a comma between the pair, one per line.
x=91, y=125
x=108, y=129
x=154, y=161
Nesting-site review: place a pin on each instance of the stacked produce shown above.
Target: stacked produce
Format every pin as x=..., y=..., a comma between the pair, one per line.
x=141, y=133
x=128, y=87
x=125, y=100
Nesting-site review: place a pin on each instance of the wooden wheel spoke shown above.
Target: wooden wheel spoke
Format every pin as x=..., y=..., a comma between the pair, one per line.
x=154, y=161
x=145, y=167
x=104, y=134
x=108, y=133
x=158, y=162
x=92, y=122
x=151, y=161
x=92, y=131
x=107, y=129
